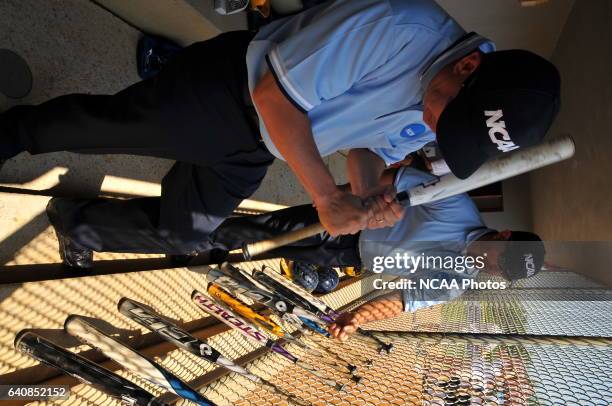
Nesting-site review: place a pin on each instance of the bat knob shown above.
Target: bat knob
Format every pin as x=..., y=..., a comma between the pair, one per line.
x=403, y=198
x=385, y=349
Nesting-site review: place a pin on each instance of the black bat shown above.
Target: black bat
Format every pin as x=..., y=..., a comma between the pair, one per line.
x=84, y=370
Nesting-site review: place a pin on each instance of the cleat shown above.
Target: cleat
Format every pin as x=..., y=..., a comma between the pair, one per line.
x=73, y=254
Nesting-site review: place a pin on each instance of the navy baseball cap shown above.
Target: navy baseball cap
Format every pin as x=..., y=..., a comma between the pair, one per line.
x=523, y=256
x=509, y=102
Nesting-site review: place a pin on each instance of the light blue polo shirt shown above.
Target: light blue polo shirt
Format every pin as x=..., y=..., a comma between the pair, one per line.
x=355, y=67
x=443, y=228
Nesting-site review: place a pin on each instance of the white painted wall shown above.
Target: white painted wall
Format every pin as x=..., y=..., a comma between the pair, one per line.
x=572, y=201
x=510, y=25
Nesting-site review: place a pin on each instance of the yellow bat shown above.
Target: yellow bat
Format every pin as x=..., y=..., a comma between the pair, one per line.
x=245, y=311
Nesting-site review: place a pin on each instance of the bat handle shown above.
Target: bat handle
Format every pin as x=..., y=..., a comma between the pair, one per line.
x=251, y=250
x=403, y=198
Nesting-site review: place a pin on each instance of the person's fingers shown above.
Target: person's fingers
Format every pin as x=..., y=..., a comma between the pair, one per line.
x=389, y=194
x=346, y=331
x=368, y=214
x=371, y=206
x=350, y=328
x=358, y=218
x=398, y=210
x=379, y=213
x=388, y=216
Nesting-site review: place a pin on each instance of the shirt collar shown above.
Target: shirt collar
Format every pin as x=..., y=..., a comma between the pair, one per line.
x=476, y=234
x=462, y=47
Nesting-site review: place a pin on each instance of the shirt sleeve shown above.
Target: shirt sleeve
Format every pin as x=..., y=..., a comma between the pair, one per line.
x=333, y=51
x=391, y=155
x=401, y=147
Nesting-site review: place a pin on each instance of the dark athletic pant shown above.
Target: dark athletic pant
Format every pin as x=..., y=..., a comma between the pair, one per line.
x=195, y=112
x=321, y=249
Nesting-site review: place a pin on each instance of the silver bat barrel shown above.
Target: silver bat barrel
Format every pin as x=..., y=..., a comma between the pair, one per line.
x=500, y=168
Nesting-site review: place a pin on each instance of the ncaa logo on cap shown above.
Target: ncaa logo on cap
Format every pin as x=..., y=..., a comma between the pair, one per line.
x=496, y=127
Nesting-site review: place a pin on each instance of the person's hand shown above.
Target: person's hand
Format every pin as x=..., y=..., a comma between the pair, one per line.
x=343, y=213
x=345, y=325
x=386, y=211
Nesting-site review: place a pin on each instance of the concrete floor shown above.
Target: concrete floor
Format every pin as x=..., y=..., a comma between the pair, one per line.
x=72, y=46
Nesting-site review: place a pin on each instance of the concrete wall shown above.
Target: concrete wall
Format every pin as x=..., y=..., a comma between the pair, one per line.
x=517, y=206
x=174, y=19
x=512, y=26
x=573, y=200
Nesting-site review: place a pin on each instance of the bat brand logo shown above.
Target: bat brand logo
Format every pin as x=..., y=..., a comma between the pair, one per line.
x=205, y=349
x=281, y=306
x=231, y=319
x=227, y=281
x=158, y=325
x=25, y=349
x=496, y=127
x=236, y=287
x=529, y=264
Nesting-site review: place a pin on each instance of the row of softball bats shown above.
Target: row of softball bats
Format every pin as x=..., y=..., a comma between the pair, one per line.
x=306, y=313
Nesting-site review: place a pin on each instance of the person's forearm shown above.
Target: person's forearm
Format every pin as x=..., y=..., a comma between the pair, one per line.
x=384, y=307
x=387, y=178
x=291, y=133
x=364, y=169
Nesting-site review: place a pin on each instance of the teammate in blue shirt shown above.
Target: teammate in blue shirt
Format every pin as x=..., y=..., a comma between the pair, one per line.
x=440, y=241
x=379, y=78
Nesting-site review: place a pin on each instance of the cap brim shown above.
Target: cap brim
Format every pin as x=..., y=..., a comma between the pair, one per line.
x=457, y=141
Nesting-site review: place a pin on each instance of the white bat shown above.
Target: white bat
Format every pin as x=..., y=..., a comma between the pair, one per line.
x=500, y=168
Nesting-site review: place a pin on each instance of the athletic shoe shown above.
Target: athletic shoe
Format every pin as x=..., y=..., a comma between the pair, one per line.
x=73, y=254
